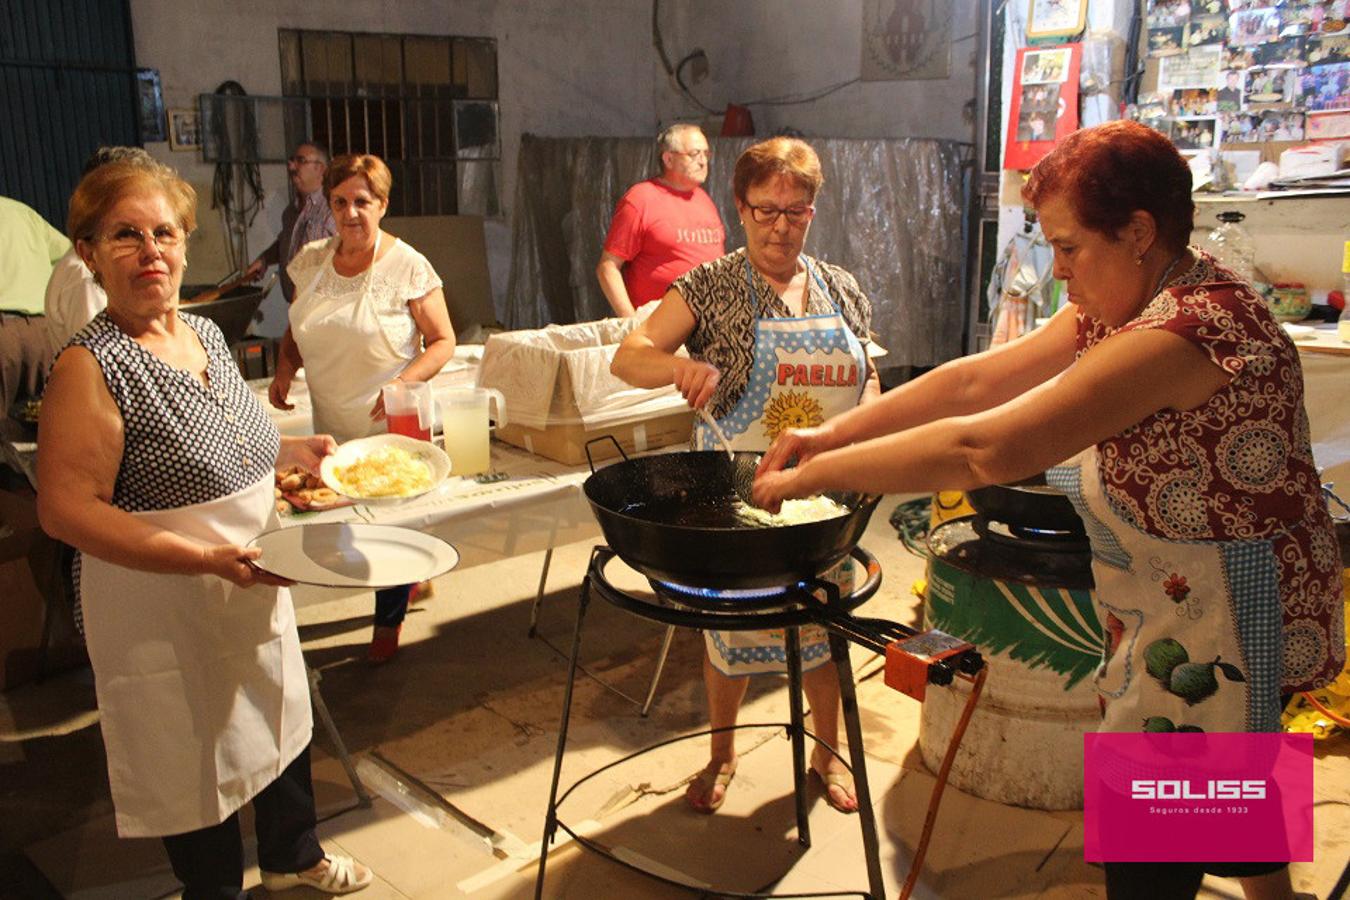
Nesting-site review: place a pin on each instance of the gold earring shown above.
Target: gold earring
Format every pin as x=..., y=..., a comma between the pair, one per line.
x=1139, y=260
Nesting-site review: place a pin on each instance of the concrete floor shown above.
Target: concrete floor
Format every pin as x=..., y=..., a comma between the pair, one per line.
x=455, y=739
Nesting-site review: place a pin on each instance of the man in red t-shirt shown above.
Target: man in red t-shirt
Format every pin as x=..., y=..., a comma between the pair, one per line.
x=663, y=226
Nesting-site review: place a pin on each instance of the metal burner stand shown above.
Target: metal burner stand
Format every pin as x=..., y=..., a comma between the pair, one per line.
x=795, y=607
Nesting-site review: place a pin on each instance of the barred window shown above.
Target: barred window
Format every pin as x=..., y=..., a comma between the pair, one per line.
x=425, y=104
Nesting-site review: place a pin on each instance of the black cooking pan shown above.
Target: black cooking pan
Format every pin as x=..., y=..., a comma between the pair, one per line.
x=1026, y=504
x=671, y=517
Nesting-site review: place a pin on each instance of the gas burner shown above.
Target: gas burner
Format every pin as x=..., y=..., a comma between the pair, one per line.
x=1024, y=537
x=744, y=599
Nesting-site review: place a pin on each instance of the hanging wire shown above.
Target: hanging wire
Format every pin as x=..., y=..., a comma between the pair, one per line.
x=236, y=189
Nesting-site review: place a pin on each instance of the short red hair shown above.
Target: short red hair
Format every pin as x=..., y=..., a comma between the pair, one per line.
x=1109, y=171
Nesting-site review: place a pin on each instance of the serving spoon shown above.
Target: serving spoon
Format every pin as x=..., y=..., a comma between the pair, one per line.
x=742, y=467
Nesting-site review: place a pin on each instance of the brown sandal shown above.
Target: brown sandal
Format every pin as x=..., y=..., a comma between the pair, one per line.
x=841, y=780
x=714, y=775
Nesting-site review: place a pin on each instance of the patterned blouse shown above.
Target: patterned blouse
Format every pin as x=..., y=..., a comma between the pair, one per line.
x=725, y=312
x=1239, y=467
x=183, y=442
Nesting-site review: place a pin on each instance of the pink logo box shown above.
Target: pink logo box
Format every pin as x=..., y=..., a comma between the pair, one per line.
x=1188, y=797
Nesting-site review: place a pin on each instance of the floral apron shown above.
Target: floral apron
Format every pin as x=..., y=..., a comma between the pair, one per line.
x=1192, y=628
x=807, y=369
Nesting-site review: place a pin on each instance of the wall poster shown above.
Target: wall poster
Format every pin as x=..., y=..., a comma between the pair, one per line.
x=1044, y=105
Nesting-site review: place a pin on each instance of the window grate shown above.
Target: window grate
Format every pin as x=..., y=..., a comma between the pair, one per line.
x=426, y=104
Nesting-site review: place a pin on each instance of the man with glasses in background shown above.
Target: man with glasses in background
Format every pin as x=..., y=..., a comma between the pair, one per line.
x=663, y=227
x=307, y=219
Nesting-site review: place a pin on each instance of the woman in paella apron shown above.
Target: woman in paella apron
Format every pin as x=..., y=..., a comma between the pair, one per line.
x=156, y=463
x=774, y=342
x=368, y=310
x=1178, y=401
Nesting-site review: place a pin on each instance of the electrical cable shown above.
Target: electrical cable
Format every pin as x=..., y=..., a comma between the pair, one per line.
x=239, y=203
x=936, y=798
x=1339, y=720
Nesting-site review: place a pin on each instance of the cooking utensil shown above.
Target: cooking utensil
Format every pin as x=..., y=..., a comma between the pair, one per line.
x=743, y=468
x=230, y=282
x=672, y=517
x=1026, y=504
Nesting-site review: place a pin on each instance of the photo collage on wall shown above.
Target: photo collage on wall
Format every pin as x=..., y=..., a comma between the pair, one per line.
x=1246, y=71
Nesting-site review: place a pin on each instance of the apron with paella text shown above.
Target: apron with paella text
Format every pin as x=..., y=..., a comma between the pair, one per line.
x=806, y=369
x=1192, y=628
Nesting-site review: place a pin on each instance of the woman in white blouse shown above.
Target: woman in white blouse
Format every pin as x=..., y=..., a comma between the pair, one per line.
x=368, y=311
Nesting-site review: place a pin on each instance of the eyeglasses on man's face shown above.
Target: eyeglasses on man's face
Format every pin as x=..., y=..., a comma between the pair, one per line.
x=299, y=160
x=126, y=239
x=694, y=154
x=768, y=215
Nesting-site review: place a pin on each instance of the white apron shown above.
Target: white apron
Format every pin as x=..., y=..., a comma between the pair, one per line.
x=347, y=355
x=807, y=369
x=1193, y=629
x=201, y=685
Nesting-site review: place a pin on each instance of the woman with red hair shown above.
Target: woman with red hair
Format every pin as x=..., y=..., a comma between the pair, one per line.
x=1170, y=405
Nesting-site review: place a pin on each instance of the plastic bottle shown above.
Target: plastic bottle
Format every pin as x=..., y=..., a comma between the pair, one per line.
x=1232, y=246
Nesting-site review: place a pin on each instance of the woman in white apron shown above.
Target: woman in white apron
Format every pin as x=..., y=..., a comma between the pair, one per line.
x=774, y=341
x=1178, y=402
x=156, y=463
x=368, y=311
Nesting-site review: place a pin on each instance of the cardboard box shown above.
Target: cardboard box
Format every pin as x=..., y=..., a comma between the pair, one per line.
x=567, y=443
x=559, y=394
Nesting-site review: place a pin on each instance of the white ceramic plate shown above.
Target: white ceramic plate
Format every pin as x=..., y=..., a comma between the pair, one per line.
x=352, y=451
x=354, y=554
x=1299, y=332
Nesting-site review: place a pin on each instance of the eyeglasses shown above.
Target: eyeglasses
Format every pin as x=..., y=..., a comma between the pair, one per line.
x=127, y=240
x=301, y=160
x=768, y=215
x=694, y=154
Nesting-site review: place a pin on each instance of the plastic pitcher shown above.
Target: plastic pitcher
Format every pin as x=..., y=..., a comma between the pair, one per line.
x=465, y=420
x=408, y=409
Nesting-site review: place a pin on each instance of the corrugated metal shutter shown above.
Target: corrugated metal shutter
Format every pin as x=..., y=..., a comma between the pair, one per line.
x=67, y=86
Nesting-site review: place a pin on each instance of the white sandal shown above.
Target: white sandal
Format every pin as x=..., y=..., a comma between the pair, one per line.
x=338, y=878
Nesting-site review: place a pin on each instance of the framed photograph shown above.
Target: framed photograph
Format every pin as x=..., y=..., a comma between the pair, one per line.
x=1194, y=134
x=1166, y=41
x=1206, y=30
x=1322, y=50
x=1287, y=51
x=150, y=105
x=1195, y=102
x=1168, y=13
x=1056, y=18
x=1241, y=128
x=1229, y=97
x=1254, y=26
x=1282, y=125
x=1326, y=87
x=1268, y=86
x=1045, y=66
x=184, y=129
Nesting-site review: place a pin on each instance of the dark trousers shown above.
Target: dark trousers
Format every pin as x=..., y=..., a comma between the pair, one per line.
x=1173, y=881
x=210, y=861
x=391, y=605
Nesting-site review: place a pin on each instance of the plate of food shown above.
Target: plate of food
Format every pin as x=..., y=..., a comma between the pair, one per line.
x=300, y=491
x=385, y=468
x=1299, y=332
x=353, y=554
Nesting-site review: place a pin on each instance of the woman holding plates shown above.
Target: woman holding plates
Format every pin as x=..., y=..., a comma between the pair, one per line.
x=156, y=463
x=368, y=311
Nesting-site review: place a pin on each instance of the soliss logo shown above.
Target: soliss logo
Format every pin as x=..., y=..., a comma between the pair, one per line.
x=1157, y=789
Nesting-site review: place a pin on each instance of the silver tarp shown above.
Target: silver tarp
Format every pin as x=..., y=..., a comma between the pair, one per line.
x=889, y=212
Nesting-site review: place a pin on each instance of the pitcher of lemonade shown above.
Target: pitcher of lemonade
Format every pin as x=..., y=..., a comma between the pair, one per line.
x=465, y=422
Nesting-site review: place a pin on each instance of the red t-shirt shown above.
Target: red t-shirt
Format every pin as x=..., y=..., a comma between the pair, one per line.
x=661, y=233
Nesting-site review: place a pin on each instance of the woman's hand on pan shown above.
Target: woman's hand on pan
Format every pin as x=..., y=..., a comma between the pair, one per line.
x=695, y=380
x=772, y=488
x=796, y=445
x=236, y=565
